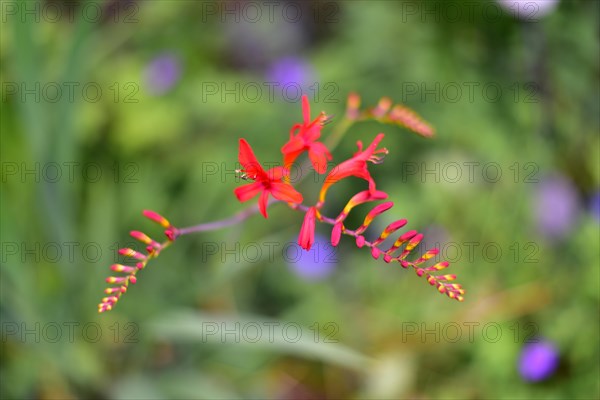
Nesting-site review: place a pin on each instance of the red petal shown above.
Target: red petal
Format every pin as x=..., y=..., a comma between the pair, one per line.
x=294, y=144
x=319, y=154
x=289, y=158
x=291, y=150
x=312, y=132
x=249, y=162
x=285, y=192
x=246, y=192
x=262, y=203
x=276, y=173
x=305, y=110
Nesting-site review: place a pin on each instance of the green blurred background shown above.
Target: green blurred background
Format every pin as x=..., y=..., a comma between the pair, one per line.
x=109, y=108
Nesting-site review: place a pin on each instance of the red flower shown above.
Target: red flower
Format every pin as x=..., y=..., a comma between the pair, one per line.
x=307, y=231
x=266, y=182
x=305, y=140
x=355, y=166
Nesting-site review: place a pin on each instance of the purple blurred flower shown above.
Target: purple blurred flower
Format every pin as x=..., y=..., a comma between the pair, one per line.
x=290, y=71
x=556, y=206
x=529, y=10
x=538, y=361
x=317, y=263
x=595, y=205
x=162, y=73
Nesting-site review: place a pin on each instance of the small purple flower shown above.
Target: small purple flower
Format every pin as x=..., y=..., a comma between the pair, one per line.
x=538, y=361
x=317, y=263
x=290, y=71
x=556, y=206
x=162, y=73
x=595, y=205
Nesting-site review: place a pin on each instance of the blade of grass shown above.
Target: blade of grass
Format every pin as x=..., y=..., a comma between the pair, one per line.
x=273, y=335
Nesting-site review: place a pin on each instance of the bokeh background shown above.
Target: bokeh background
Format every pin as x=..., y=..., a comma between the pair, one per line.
x=109, y=108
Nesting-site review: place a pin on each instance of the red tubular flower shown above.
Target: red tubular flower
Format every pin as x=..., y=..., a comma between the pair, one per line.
x=306, y=140
x=307, y=231
x=266, y=182
x=355, y=166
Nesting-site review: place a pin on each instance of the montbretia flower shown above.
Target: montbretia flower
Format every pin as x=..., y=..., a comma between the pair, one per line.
x=138, y=259
x=306, y=140
x=266, y=182
x=355, y=166
x=307, y=231
x=304, y=137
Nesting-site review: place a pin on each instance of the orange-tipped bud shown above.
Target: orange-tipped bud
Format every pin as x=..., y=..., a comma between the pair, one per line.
x=400, y=241
x=391, y=228
x=384, y=105
x=449, y=277
x=116, y=279
x=353, y=106
x=156, y=217
x=336, y=234
x=429, y=254
x=409, y=119
x=439, y=266
x=414, y=242
x=379, y=209
x=132, y=253
x=122, y=268
x=142, y=237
